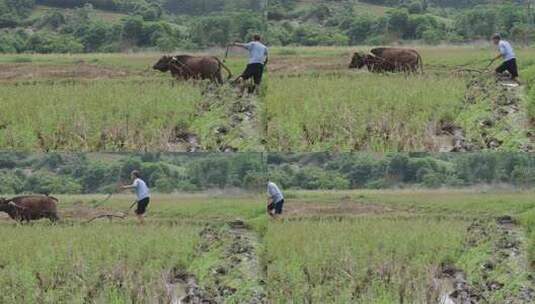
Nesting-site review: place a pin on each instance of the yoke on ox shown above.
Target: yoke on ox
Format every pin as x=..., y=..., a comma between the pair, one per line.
x=28, y=208
x=186, y=67
x=381, y=60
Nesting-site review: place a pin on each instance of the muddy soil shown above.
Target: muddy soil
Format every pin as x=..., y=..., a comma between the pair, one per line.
x=182, y=288
x=506, y=117
x=238, y=261
x=445, y=136
x=81, y=70
x=507, y=264
x=295, y=208
x=238, y=122
x=294, y=65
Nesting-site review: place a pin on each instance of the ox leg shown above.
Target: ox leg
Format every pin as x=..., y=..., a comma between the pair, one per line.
x=53, y=218
x=219, y=79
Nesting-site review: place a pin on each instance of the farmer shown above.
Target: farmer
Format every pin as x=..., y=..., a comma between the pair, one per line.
x=142, y=194
x=275, y=199
x=258, y=58
x=507, y=53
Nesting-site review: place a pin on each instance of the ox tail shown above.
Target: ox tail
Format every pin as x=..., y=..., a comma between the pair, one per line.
x=222, y=65
x=420, y=64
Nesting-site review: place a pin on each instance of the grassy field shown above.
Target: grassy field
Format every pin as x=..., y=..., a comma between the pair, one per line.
x=185, y=237
x=400, y=246
x=311, y=102
x=373, y=246
x=116, y=102
x=315, y=103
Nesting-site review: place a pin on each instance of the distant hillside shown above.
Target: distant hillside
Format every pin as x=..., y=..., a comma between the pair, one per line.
x=181, y=7
x=349, y=22
x=46, y=26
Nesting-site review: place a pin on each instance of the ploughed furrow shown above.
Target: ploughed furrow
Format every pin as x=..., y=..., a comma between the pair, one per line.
x=232, y=269
x=497, y=272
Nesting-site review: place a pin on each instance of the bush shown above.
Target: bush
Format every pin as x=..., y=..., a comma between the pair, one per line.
x=165, y=185
x=432, y=180
x=432, y=36
x=46, y=183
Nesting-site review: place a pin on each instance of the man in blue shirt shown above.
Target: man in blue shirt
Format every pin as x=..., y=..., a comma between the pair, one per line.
x=142, y=194
x=258, y=58
x=275, y=199
x=507, y=53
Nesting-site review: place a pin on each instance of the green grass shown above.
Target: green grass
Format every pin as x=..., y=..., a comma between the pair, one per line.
x=101, y=115
x=361, y=112
x=105, y=263
x=112, y=102
x=314, y=103
x=369, y=260
x=341, y=258
x=120, y=261
x=381, y=258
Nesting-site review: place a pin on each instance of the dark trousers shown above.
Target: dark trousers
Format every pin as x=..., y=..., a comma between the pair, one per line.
x=510, y=66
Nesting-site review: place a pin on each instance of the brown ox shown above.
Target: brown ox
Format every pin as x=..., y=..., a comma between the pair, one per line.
x=186, y=67
x=371, y=62
x=27, y=208
x=389, y=60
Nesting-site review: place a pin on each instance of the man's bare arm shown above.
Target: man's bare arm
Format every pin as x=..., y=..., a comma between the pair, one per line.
x=242, y=45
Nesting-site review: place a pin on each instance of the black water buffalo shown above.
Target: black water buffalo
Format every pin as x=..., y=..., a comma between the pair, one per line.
x=389, y=60
x=185, y=67
x=32, y=207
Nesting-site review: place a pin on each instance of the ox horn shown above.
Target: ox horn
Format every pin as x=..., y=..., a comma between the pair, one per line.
x=11, y=203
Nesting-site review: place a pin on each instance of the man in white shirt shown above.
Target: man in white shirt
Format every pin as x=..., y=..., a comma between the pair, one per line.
x=258, y=58
x=507, y=53
x=275, y=199
x=142, y=194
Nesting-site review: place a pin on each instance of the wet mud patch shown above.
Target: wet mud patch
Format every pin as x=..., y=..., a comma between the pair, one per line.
x=183, y=140
x=450, y=286
x=446, y=136
x=182, y=288
x=80, y=70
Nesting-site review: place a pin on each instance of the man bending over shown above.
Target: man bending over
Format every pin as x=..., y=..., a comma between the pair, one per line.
x=507, y=53
x=275, y=199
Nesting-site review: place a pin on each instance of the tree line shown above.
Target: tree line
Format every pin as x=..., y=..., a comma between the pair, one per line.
x=145, y=24
x=56, y=173
x=430, y=21
x=369, y=171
